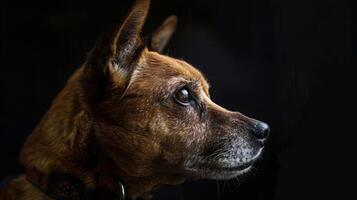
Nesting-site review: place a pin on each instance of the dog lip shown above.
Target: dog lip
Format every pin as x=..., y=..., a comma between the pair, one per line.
x=219, y=173
x=222, y=171
x=240, y=167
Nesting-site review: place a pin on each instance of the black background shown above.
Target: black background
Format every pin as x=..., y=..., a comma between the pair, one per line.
x=282, y=62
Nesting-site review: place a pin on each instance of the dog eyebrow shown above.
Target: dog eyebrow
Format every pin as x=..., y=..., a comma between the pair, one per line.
x=197, y=75
x=132, y=96
x=201, y=84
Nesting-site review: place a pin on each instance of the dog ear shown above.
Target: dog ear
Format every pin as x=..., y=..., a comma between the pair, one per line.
x=116, y=54
x=162, y=35
x=127, y=42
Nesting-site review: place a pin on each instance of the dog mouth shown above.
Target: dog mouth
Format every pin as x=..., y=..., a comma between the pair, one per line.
x=218, y=172
x=240, y=167
x=223, y=169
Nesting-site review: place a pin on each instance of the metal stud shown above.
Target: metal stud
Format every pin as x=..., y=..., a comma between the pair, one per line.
x=121, y=191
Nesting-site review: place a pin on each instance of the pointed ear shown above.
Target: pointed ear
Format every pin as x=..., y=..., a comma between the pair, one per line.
x=162, y=35
x=127, y=41
x=116, y=54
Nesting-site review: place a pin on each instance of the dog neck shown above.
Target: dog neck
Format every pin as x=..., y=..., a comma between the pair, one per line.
x=62, y=143
x=66, y=187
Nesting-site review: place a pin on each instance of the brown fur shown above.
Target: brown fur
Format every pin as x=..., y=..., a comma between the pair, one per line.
x=116, y=117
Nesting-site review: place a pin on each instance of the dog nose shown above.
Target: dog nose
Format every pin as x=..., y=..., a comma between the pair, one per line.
x=260, y=130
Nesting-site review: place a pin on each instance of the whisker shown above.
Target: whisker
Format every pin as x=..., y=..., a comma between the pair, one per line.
x=218, y=191
x=224, y=185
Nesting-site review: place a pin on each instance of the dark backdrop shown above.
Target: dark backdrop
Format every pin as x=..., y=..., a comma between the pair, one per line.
x=275, y=60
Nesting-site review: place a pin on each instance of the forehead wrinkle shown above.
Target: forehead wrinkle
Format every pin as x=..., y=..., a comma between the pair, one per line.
x=181, y=67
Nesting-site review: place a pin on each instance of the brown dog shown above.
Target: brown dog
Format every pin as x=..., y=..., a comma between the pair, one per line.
x=132, y=118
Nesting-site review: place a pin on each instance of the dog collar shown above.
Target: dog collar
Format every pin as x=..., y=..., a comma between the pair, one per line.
x=65, y=187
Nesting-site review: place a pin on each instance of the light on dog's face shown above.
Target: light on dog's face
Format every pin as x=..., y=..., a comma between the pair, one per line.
x=207, y=140
x=173, y=119
x=229, y=144
x=230, y=147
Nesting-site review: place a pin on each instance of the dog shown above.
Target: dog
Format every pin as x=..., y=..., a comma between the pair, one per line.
x=129, y=120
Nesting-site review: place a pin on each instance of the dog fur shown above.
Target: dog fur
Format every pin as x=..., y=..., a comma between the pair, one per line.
x=117, y=116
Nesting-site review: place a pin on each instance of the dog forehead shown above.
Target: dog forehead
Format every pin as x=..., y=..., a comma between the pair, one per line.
x=167, y=68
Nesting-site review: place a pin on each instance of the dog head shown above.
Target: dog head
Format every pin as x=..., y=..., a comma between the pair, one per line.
x=155, y=115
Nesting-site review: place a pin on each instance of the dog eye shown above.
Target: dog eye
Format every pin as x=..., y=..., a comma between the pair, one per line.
x=183, y=97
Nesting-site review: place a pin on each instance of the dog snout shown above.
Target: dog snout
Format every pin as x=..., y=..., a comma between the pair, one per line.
x=260, y=130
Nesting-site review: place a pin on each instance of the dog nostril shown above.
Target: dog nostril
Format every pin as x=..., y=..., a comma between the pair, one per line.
x=260, y=130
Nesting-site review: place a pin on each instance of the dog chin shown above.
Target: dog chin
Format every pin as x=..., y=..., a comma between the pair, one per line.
x=224, y=169
x=225, y=175
x=219, y=173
